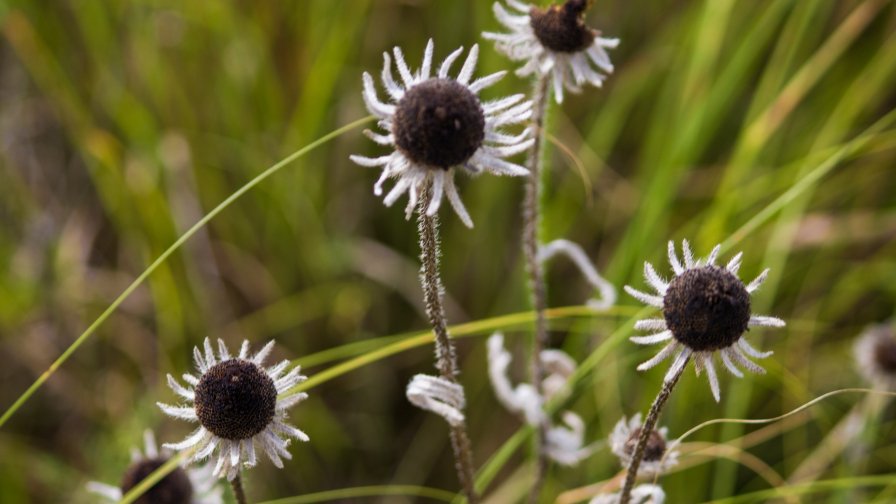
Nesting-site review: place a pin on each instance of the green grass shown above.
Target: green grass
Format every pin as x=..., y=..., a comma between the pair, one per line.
x=138, y=218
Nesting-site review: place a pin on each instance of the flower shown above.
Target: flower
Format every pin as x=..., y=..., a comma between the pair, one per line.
x=236, y=402
x=437, y=124
x=554, y=41
x=641, y=494
x=875, y=354
x=659, y=456
x=180, y=486
x=706, y=309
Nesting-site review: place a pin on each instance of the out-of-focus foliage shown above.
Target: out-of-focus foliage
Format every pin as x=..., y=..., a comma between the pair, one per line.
x=123, y=122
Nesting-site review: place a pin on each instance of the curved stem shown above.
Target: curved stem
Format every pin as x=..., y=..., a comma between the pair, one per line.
x=237, y=485
x=538, y=289
x=649, y=424
x=446, y=357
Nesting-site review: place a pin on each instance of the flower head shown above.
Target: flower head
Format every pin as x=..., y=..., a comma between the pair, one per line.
x=875, y=353
x=237, y=403
x=180, y=486
x=437, y=124
x=659, y=455
x=554, y=41
x=706, y=309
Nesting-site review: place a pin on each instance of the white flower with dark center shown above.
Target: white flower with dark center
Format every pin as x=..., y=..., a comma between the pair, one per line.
x=238, y=404
x=875, y=353
x=641, y=494
x=195, y=485
x=659, y=455
x=706, y=310
x=437, y=124
x=554, y=41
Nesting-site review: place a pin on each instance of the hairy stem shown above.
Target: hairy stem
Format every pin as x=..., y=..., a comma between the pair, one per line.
x=237, y=485
x=649, y=424
x=537, y=287
x=446, y=358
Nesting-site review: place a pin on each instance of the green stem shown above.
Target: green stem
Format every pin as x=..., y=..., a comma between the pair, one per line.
x=238, y=493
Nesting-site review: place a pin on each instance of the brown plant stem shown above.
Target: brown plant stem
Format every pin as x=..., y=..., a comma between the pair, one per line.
x=646, y=429
x=446, y=358
x=237, y=485
x=537, y=287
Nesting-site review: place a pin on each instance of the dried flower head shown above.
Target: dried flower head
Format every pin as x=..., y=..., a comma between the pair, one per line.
x=659, y=454
x=641, y=494
x=195, y=485
x=706, y=309
x=875, y=353
x=554, y=41
x=437, y=124
x=237, y=403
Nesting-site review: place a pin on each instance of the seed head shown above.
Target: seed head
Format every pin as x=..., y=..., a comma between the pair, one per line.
x=562, y=28
x=707, y=308
x=235, y=399
x=439, y=123
x=175, y=488
x=653, y=451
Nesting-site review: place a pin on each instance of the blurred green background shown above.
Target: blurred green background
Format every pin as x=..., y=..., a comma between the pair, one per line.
x=765, y=124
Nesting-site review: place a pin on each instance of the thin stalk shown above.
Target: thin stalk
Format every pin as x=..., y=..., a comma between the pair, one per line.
x=649, y=424
x=537, y=287
x=237, y=485
x=446, y=357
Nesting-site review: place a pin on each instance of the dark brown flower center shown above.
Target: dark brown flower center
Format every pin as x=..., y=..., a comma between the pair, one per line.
x=175, y=488
x=439, y=123
x=707, y=308
x=235, y=399
x=885, y=354
x=562, y=28
x=653, y=450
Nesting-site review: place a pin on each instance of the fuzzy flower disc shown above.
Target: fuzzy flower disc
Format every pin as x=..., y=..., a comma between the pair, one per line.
x=175, y=488
x=561, y=28
x=706, y=308
x=235, y=399
x=439, y=123
x=653, y=451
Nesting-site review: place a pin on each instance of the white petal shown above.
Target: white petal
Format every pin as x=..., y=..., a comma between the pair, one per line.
x=150, y=448
x=558, y=86
x=205, y=447
x=193, y=439
x=403, y=69
x=290, y=431
x=380, y=139
x=662, y=355
x=652, y=339
x=752, y=352
x=249, y=448
x=446, y=65
x=498, y=166
x=456, y=203
x=182, y=412
x=654, y=279
x=371, y=162
x=108, y=491
x=222, y=351
x=765, y=321
x=745, y=362
x=291, y=400
x=484, y=82
x=275, y=371
x=651, y=325
x=648, y=299
x=235, y=453
x=397, y=191
x=757, y=282
x=262, y=354
x=192, y=380
x=394, y=90
x=438, y=190
x=730, y=365
x=673, y=259
x=180, y=390
x=427, y=61
x=688, y=255
x=244, y=350
x=199, y=360
x=713, y=378
x=491, y=107
x=734, y=264
x=678, y=363
x=469, y=65
x=209, y=353
x=713, y=255
x=374, y=105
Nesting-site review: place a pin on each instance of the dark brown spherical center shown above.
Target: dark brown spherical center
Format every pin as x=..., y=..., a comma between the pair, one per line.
x=707, y=308
x=885, y=354
x=653, y=450
x=235, y=399
x=439, y=123
x=561, y=28
x=175, y=488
